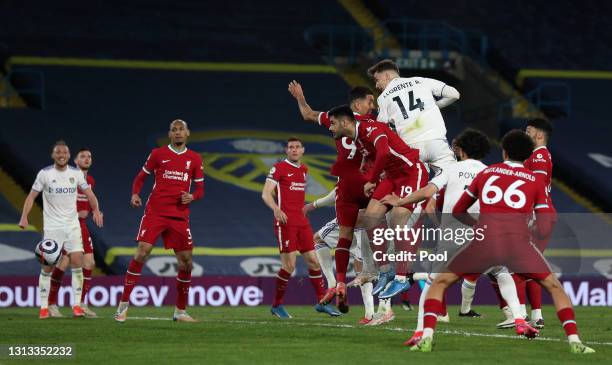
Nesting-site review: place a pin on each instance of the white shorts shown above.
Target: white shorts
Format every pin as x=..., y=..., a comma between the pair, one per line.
x=330, y=233
x=436, y=153
x=69, y=239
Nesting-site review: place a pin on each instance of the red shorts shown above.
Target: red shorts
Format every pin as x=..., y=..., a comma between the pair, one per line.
x=294, y=238
x=87, y=242
x=416, y=177
x=551, y=216
x=516, y=253
x=350, y=198
x=175, y=231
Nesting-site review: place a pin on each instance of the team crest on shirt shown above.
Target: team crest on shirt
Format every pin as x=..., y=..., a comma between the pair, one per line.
x=244, y=158
x=188, y=165
x=369, y=130
x=71, y=180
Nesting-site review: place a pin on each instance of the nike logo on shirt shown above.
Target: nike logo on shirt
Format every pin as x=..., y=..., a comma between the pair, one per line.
x=164, y=161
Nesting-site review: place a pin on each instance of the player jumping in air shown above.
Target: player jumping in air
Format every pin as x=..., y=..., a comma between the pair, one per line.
x=508, y=194
x=167, y=214
x=284, y=192
x=59, y=183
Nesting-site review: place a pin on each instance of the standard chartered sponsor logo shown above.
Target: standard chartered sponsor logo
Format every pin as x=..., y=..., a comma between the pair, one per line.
x=297, y=186
x=175, y=175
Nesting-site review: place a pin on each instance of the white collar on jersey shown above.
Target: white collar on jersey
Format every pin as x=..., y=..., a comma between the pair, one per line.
x=539, y=148
x=292, y=164
x=356, y=130
x=513, y=164
x=175, y=151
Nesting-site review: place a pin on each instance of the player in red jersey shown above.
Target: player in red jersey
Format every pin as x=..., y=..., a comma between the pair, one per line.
x=83, y=161
x=508, y=194
x=167, y=214
x=349, y=189
x=403, y=174
x=284, y=192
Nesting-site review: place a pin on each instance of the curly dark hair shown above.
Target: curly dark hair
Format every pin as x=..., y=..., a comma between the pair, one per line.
x=517, y=145
x=474, y=143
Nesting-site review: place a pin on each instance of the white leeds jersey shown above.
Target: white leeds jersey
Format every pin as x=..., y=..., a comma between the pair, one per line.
x=456, y=178
x=408, y=104
x=59, y=190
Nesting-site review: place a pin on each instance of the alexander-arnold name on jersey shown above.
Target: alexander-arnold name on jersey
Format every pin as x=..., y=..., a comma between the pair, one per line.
x=522, y=174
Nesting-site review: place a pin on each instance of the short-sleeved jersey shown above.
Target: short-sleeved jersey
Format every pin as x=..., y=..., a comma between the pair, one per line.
x=59, y=189
x=401, y=157
x=540, y=163
x=409, y=105
x=349, y=156
x=290, y=182
x=508, y=187
x=173, y=172
x=455, y=179
x=82, y=201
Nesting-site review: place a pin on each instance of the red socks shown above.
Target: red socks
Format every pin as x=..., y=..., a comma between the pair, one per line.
x=56, y=281
x=183, y=282
x=316, y=279
x=342, y=258
x=282, y=279
x=131, y=278
x=86, y=284
x=534, y=293
x=568, y=321
x=432, y=309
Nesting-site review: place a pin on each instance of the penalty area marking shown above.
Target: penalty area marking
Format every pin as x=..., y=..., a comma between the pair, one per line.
x=393, y=329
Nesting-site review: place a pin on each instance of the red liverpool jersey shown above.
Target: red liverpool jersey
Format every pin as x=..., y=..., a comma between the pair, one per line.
x=174, y=172
x=508, y=187
x=401, y=157
x=82, y=201
x=290, y=182
x=349, y=156
x=540, y=163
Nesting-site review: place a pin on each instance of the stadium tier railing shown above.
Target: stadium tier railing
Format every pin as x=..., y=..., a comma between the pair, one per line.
x=348, y=42
x=554, y=97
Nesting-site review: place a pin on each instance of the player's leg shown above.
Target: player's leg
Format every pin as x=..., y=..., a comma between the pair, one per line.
x=324, y=256
x=366, y=288
x=468, y=289
x=565, y=312
x=148, y=232
x=44, y=284
x=183, y=284
x=508, y=292
x=56, y=281
x=282, y=280
x=74, y=247
x=371, y=219
x=88, y=266
x=305, y=245
x=433, y=307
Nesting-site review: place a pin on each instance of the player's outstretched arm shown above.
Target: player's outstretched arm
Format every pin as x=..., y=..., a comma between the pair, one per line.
x=27, y=207
x=268, y=197
x=326, y=201
x=307, y=113
x=417, y=196
x=95, y=207
x=449, y=95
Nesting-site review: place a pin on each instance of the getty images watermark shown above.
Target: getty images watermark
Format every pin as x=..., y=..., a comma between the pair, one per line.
x=413, y=235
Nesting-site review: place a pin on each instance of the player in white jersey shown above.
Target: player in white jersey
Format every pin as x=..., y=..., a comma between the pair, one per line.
x=59, y=183
x=470, y=147
x=412, y=107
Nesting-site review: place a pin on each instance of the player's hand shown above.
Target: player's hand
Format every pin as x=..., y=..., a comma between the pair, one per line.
x=296, y=89
x=280, y=216
x=368, y=188
x=23, y=222
x=98, y=218
x=136, y=202
x=308, y=208
x=186, y=197
x=391, y=199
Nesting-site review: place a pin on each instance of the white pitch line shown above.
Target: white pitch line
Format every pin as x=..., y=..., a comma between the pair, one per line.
x=394, y=329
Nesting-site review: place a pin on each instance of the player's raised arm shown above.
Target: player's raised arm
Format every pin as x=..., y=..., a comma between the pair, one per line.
x=95, y=207
x=27, y=207
x=307, y=113
x=268, y=197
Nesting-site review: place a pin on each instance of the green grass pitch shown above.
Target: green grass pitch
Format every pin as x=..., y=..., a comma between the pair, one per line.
x=242, y=335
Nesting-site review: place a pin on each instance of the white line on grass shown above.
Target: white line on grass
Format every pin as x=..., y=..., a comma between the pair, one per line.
x=394, y=329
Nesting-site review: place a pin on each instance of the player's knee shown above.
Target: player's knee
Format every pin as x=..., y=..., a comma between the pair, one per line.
x=185, y=265
x=290, y=268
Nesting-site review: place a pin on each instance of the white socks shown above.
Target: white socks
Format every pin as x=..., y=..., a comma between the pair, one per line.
x=523, y=310
x=368, y=300
x=507, y=288
x=324, y=255
x=536, y=314
x=44, y=285
x=422, y=304
x=77, y=286
x=467, y=295
x=384, y=305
